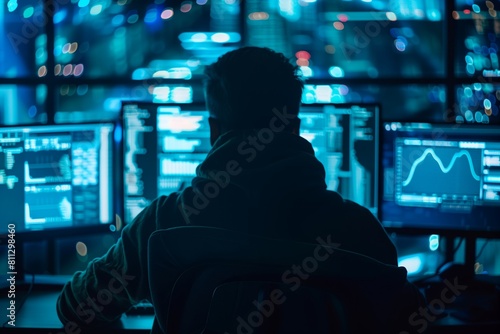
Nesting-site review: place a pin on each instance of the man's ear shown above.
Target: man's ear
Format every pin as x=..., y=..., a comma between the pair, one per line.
x=215, y=130
x=296, y=126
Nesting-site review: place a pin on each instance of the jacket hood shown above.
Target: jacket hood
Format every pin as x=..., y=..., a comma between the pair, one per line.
x=264, y=165
x=254, y=181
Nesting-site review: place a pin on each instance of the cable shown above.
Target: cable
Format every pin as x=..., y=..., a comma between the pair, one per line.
x=454, y=251
x=18, y=308
x=482, y=249
x=458, y=246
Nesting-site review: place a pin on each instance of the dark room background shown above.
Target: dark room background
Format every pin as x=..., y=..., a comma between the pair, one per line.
x=76, y=60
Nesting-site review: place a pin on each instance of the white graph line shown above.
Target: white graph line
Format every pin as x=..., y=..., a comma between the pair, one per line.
x=440, y=163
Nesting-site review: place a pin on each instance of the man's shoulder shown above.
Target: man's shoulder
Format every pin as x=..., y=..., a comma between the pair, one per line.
x=330, y=206
x=161, y=213
x=362, y=230
x=335, y=201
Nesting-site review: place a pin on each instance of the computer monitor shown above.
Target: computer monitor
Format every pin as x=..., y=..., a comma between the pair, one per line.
x=440, y=179
x=60, y=180
x=166, y=142
x=345, y=140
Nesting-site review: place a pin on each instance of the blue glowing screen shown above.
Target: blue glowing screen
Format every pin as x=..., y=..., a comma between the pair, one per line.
x=443, y=177
x=59, y=177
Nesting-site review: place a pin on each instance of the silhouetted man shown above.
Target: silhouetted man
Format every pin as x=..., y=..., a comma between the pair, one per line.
x=260, y=177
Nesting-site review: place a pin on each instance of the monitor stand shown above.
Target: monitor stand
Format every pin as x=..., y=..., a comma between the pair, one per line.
x=464, y=272
x=23, y=280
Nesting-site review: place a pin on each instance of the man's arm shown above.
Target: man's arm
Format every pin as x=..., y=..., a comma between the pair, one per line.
x=111, y=284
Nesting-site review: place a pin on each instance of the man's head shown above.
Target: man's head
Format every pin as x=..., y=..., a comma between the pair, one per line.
x=245, y=85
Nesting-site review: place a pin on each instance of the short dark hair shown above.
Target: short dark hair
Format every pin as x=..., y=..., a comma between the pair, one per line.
x=244, y=86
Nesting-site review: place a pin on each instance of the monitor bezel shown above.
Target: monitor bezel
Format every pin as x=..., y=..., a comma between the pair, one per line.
x=416, y=230
x=117, y=185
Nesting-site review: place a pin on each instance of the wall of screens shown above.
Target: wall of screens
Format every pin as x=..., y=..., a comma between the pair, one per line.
x=429, y=60
x=75, y=60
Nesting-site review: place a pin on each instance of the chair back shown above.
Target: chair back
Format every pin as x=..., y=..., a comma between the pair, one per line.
x=211, y=280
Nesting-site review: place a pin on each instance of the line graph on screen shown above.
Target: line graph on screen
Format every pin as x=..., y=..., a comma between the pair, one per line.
x=441, y=170
x=444, y=169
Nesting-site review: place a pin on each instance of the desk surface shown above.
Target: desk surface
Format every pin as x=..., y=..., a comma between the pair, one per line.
x=38, y=314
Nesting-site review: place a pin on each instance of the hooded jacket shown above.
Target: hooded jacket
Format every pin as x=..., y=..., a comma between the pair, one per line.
x=254, y=181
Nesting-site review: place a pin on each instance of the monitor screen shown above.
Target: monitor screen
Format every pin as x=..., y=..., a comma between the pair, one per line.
x=166, y=142
x=440, y=178
x=60, y=178
x=345, y=140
